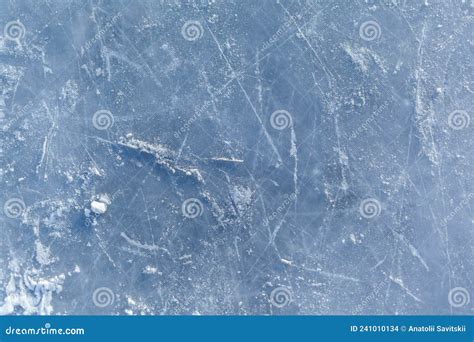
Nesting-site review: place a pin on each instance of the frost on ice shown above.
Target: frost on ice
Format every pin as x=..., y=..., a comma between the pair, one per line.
x=237, y=157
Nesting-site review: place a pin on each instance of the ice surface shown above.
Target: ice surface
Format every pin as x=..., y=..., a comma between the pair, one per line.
x=236, y=157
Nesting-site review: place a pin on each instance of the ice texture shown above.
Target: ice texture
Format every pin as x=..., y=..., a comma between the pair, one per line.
x=236, y=157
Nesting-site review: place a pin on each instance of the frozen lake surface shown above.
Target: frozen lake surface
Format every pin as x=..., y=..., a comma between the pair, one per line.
x=236, y=157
